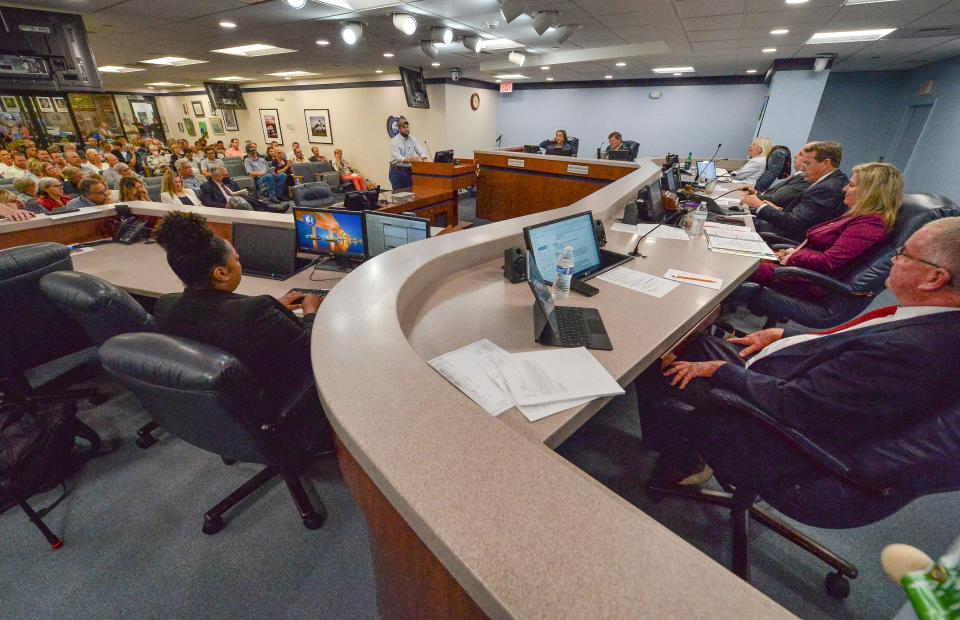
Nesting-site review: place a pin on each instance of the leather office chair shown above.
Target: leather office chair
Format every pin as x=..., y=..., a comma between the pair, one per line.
x=43, y=333
x=634, y=148
x=849, y=296
x=312, y=195
x=326, y=174
x=103, y=311
x=867, y=482
x=208, y=398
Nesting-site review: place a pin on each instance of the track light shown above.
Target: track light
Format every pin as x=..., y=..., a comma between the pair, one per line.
x=405, y=23
x=511, y=9
x=297, y=4
x=516, y=58
x=473, y=43
x=544, y=20
x=351, y=32
x=441, y=34
x=566, y=31
x=428, y=48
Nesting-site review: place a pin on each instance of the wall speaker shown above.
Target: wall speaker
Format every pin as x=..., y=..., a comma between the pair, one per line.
x=599, y=231
x=515, y=265
x=631, y=215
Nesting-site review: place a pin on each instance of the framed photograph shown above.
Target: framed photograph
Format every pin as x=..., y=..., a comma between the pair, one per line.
x=230, y=119
x=270, y=123
x=59, y=104
x=10, y=104
x=216, y=126
x=319, y=129
x=188, y=125
x=180, y=127
x=203, y=128
x=163, y=123
x=45, y=104
x=197, y=108
x=186, y=110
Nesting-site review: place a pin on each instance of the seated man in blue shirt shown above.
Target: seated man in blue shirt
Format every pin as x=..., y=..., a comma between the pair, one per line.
x=273, y=185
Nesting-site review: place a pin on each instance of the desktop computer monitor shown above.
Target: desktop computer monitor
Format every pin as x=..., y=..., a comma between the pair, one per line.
x=267, y=251
x=329, y=232
x=385, y=231
x=443, y=157
x=653, y=196
x=623, y=155
x=706, y=171
x=670, y=181
x=547, y=241
x=552, y=150
x=531, y=148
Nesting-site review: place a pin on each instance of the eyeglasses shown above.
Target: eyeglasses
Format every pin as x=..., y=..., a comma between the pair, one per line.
x=902, y=251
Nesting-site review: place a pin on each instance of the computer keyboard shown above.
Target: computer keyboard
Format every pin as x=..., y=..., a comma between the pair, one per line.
x=572, y=332
x=319, y=292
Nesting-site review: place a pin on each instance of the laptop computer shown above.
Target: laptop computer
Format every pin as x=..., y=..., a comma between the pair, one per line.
x=548, y=239
x=563, y=326
x=531, y=148
x=268, y=251
x=620, y=155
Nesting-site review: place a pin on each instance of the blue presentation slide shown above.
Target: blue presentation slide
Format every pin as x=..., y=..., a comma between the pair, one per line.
x=548, y=241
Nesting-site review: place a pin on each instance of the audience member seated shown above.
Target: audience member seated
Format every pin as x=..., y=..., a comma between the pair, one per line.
x=234, y=149
x=19, y=168
x=777, y=168
x=94, y=164
x=50, y=194
x=280, y=165
x=73, y=159
x=50, y=170
x=193, y=156
x=156, y=161
x=614, y=143
x=560, y=141
x=784, y=192
x=218, y=191
x=26, y=189
x=12, y=209
x=209, y=160
x=821, y=201
x=132, y=188
x=93, y=192
x=868, y=378
x=6, y=163
x=346, y=171
x=296, y=156
x=261, y=331
x=71, y=180
x=750, y=172
x=190, y=180
x=35, y=168
x=173, y=191
x=273, y=186
x=315, y=154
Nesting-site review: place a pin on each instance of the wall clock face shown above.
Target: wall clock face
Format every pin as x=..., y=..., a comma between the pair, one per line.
x=475, y=101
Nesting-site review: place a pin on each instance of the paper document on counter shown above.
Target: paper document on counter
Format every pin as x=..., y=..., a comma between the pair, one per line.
x=540, y=377
x=696, y=279
x=742, y=246
x=473, y=370
x=663, y=232
x=538, y=412
x=638, y=281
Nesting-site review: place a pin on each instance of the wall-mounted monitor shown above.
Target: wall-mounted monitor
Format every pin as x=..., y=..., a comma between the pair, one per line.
x=225, y=95
x=414, y=87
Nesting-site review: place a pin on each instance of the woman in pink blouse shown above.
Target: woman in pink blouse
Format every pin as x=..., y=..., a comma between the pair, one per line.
x=873, y=199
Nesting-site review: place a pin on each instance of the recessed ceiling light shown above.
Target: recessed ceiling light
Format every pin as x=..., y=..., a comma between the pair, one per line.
x=850, y=36
x=499, y=81
x=549, y=79
x=253, y=50
x=227, y=25
x=751, y=70
x=323, y=42
x=608, y=77
x=230, y=78
x=673, y=69
x=797, y=1
x=434, y=64
x=545, y=68
x=388, y=54
x=118, y=69
x=290, y=74
x=172, y=61
x=621, y=64
x=512, y=76
x=768, y=50
x=780, y=31
x=379, y=71
x=152, y=84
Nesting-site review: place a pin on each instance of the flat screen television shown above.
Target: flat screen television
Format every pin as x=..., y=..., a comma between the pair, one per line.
x=414, y=87
x=225, y=95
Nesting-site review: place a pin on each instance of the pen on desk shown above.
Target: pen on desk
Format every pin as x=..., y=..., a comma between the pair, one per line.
x=695, y=279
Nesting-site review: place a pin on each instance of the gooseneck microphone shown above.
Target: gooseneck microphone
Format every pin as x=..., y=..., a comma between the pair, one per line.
x=712, y=157
x=427, y=146
x=498, y=140
x=636, y=248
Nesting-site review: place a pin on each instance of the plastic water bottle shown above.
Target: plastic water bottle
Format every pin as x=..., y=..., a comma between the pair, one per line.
x=561, y=284
x=699, y=219
x=689, y=162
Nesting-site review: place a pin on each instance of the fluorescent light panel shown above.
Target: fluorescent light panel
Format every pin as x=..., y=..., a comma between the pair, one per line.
x=512, y=76
x=172, y=61
x=849, y=36
x=117, y=69
x=866, y=1
x=673, y=70
x=230, y=78
x=164, y=84
x=253, y=50
x=289, y=74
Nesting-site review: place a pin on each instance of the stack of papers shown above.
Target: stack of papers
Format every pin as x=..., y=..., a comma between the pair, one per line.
x=663, y=232
x=538, y=383
x=728, y=239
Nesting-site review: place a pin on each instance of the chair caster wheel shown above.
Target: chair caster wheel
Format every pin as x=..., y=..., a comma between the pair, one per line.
x=313, y=521
x=212, y=526
x=837, y=585
x=98, y=399
x=145, y=441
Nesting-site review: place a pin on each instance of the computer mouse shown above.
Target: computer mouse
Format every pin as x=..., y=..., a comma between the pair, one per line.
x=736, y=209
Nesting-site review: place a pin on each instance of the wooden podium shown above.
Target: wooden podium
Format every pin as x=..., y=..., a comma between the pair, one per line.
x=452, y=177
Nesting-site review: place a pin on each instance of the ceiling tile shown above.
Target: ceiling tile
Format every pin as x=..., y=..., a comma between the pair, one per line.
x=705, y=8
x=713, y=23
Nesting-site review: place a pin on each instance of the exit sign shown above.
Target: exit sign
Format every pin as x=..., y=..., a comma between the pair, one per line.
x=506, y=87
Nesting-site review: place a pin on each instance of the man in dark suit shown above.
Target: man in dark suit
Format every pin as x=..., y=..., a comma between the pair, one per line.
x=784, y=192
x=869, y=377
x=821, y=201
x=218, y=192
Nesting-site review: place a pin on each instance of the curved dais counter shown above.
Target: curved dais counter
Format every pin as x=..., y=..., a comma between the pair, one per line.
x=473, y=515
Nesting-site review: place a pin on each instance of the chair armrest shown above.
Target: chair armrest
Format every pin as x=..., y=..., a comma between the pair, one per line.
x=291, y=404
x=770, y=237
x=822, y=280
x=812, y=452
x=781, y=246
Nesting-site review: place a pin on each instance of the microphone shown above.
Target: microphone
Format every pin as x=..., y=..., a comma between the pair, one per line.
x=498, y=140
x=427, y=146
x=697, y=178
x=636, y=248
x=599, y=149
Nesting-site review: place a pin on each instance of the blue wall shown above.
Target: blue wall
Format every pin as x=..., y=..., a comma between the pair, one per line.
x=686, y=118
x=794, y=99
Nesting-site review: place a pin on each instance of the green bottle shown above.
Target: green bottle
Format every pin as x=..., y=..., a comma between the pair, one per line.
x=689, y=162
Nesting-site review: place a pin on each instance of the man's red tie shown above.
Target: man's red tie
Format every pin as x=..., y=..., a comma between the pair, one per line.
x=875, y=314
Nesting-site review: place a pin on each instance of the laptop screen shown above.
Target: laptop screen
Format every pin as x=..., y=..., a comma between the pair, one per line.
x=541, y=292
x=265, y=250
x=707, y=170
x=547, y=241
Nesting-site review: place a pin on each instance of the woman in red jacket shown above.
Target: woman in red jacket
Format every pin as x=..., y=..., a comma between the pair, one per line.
x=50, y=194
x=872, y=198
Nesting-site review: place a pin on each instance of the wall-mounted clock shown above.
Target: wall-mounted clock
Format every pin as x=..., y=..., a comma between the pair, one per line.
x=474, y=101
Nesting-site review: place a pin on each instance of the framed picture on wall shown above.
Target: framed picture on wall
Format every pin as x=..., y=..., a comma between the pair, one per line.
x=188, y=125
x=203, y=128
x=197, y=108
x=59, y=104
x=319, y=128
x=10, y=104
x=186, y=110
x=230, y=119
x=216, y=126
x=270, y=123
x=180, y=127
x=45, y=104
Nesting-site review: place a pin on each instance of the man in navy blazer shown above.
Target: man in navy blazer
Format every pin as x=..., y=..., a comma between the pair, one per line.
x=870, y=377
x=821, y=201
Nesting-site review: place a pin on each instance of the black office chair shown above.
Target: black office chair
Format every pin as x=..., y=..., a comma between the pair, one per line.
x=103, y=311
x=633, y=147
x=866, y=483
x=42, y=332
x=848, y=297
x=208, y=398
x=312, y=195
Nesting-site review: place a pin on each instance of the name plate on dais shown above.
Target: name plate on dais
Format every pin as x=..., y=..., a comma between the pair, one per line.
x=575, y=169
x=516, y=163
